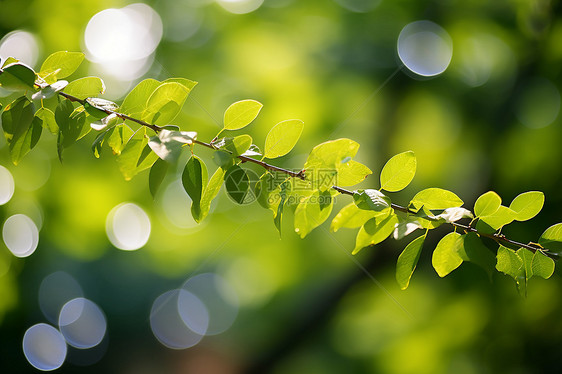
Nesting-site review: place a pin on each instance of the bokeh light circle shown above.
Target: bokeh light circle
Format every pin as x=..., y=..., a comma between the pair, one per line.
x=128, y=226
x=425, y=48
x=20, y=235
x=55, y=290
x=82, y=323
x=21, y=45
x=538, y=103
x=359, y=6
x=7, y=185
x=168, y=325
x=240, y=6
x=44, y=347
x=219, y=298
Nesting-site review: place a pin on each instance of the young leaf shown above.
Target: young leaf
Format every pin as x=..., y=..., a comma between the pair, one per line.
x=187, y=83
x=165, y=103
x=435, y=198
x=210, y=193
x=407, y=262
x=282, y=138
x=241, y=114
x=542, y=266
x=487, y=204
x=194, y=180
x=135, y=101
x=118, y=137
x=350, y=216
x=17, y=77
x=21, y=129
x=527, y=205
x=168, y=144
x=350, y=173
x=446, y=256
x=85, y=87
x=490, y=224
x=238, y=145
x=551, y=238
x=136, y=155
x=312, y=212
x=371, y=200
x=60, y=65
x=237, y=184
x=510, y=263
x=398, y=172
x=375, y=231
x=156, y=176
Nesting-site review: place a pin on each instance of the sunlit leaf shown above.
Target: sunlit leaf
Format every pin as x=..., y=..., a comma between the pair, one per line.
x=241, y=114
x=60, y=65
x=10, y=60
x=282, y=138
x=435, y=198
x=135, y=101
x=165, y=103
x=398, y=172
x=237, y=184
x=445, y=257
x=490, y=224
x=510, y=263
x=211, y=192
x=475, y=251
x=407, y=224
x=238, y=145
x=168, y=144
x=350, y=216
x=156, y=176
x=375, y=231
x=350, y=173
x=85, y=87
x=49, y=91
x=527, y=205
x=187, y=83
x=21, y=129
x=136, y=155
x=454, y=214
x=371, y=200
x=487, y=204
x=71, y=125
x=542, y=266
x=312, y=212
x=119, y=136
x=407, y=262
x=551, y=238
x=17, y=77
x=194, y=180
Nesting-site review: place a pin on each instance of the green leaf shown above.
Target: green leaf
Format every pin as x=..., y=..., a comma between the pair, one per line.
x=450, y=215
x=487, y=204
x=223, y=159
x=371, y=200
x=60, y=65
x=490, y=224
x=187, y=83
x=156, y=176
x=446, y=256
x=375, y=231
x=98, y=144
x=211, y=192
x=241, y=114
x=85, y=87
x=350, y=216
x=71, y=126
x=165, y=103
x=194, y=180
x=312, y=212
x=398, y=172
x=136, y=155
x=118, y=137
x=435, y=198
x=527, y=205
x=168, y=144
x=407, y=224
x=350, y=173
x=21, y=129
x=282, y=138
x=407, y=262
x=135, y=102
x=237, y=184
x=510, y=263
x=10, y=60
x=551, y=238
x=17, y=77
x=238, y=145
x=475, y=251
x=542, y=266
x=49, y=91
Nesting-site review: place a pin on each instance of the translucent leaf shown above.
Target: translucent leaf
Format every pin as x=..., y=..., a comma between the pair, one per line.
x=312, y=212
x=435, y=198
x=510, y=263
x=350, y=173
x=237, y=184
x=527, y=205
x=21, y=129
x=194, y=180
x=371, y=200
x=156, y=176
x=85, y=87
x=17, y=77
x=542, y=266
x=98, y=144
x=454, y=214
x=492, y=223
x=475, y=251
x=238, y=145
x=375, y=231
x=223, y=159
x=407, y=262
x=487, y=204
x=350, y=216
x=252, y=151
x=241, y=114
x=187, y=83
x=398, y=172
x=10, y=60
x=445, y=257
x=60, y=65
x=268, y=191
x=135, y=101
x=551, y=238
x=211, y=192
x=118, y=137
x=165, y=103
x=136, y=155
x=168, y=144
x=282, y=138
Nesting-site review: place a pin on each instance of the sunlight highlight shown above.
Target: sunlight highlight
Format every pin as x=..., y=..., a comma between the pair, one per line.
x=20, y=235
x=7, y=185
x=128, y=227
x=240, y=6
x=44, y=347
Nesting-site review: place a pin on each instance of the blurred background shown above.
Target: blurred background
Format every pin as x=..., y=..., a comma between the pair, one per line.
x=96, y=276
